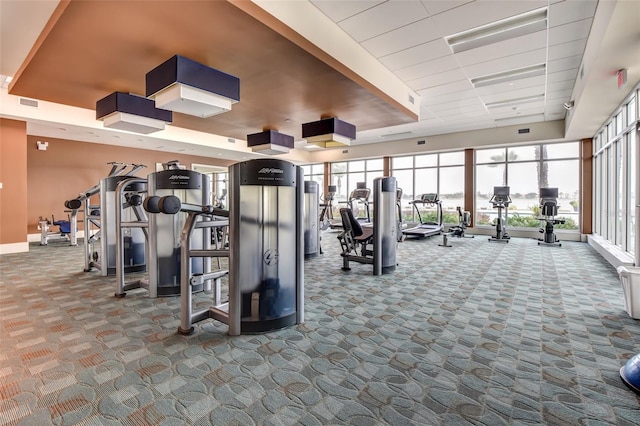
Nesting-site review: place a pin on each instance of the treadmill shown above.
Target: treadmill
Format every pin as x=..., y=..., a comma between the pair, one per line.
x=359, y=195
x=426, y=229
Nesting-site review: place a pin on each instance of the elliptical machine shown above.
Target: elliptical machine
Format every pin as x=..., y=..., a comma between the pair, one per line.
x=501, y=200
x=548, y=212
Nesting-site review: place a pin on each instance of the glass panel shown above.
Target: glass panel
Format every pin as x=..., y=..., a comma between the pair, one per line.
x=340, y=181
x=370, y=176
x=402, y=163
x=356, y=166
x=619, y=122
x=317, y=169
x=562, y=150
x=338, y=167
x=524, y=153
x=430, y=160
x=376, y=164
x=404, y=180
x=620, y=197
x=597, y=193
x=354, y=179
x=523, y=185
x=426, y=180
x=604, y=195
x=451, y=192
x=452, y=159
x=611, y=193
x=631, y=111
x=306, y=170
x=490, y=155
x=487, y=176
x=611, y=130
x=597, y=143
x=564, y=175
x=633, y=191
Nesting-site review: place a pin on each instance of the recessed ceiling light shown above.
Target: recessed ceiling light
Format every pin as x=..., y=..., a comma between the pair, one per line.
x=509, y=76
x=516, y=101
x=505, y=29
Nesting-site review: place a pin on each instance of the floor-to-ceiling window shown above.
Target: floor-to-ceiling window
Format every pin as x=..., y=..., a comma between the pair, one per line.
x=526, y=169
x=616, y=176
x=346, y=175
x=441, y=173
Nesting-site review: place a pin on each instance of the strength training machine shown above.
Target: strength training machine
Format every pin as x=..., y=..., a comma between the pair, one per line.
x=376, y=244
x=464, y=220
x=266, y=250
x=548, y=213
x=501, y=200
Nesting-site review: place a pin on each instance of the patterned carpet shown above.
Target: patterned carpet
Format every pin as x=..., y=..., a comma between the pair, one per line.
x=479, y=333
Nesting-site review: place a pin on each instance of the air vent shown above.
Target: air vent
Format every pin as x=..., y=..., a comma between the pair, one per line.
x=28, y=102
x=421, y=142
x=411, y=99
x=231, y=140
x=522, y=131
x=345, y=151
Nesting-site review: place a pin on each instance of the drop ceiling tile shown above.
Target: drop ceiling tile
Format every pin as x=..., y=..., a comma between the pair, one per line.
x=437, y=79
x=570, y=74
x=446, y=88
x=415, y=55
x=561, y=85
x=507, y=63
x=438, y=6
x=424, y=69
x=402, y=38
x=563, y=95
x=564, y=64
x=475, y=14
x=472, y=104
x=466, y=115
x=525, y=109
x=563, y=50
x=449, y=97
x=340, y=10
x=569, y=32
x=534, y=41
x=519, y=119
x=570, y=11
x=383, y=18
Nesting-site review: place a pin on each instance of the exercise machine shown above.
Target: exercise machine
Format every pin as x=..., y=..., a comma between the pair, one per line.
x=66, y=230
x=501, y=200
x=399, y=221
x=311, y=217
x=459, y=230
x=358, y=196
x=548, y=213
x=326, y=208
x=374, y=245
x=426, y=228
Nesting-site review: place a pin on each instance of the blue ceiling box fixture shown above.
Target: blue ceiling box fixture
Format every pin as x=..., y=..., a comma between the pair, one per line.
x=329, y=132
x=124, y=111
x=182, y=85
x=270, y=142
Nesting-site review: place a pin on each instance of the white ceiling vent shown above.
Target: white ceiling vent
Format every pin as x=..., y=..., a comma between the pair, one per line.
x=28, y=102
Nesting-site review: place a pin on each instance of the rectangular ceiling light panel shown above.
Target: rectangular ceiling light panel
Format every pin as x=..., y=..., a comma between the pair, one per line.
x=514, y=102
x=509, y=76
x=182, y=85
x=329, y=133
x=495, y=32
x=124, y=111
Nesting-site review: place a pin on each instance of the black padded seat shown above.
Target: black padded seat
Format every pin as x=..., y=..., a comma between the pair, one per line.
x=350, y=223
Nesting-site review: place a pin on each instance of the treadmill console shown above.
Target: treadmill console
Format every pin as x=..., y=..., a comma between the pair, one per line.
x=360, y=194
x=429, y=198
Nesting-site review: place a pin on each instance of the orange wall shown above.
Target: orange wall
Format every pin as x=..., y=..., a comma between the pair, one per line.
x=68, y=168
x=13, y=175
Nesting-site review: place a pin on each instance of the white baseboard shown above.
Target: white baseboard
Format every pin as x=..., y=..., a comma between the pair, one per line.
x=612, y=253
x=14, y=248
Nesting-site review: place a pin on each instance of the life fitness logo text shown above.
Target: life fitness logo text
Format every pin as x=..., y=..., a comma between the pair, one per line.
x=270, y=173
x=179, y=179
